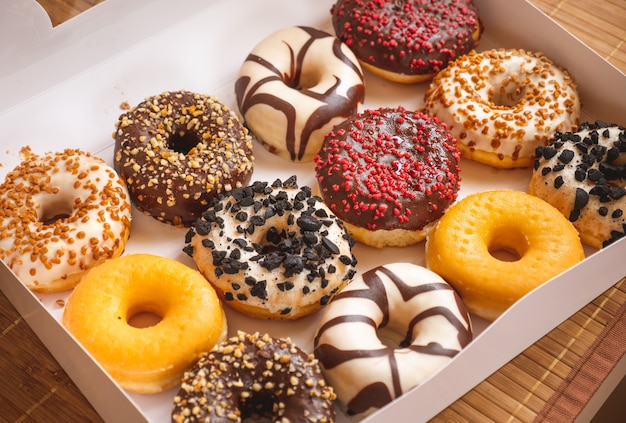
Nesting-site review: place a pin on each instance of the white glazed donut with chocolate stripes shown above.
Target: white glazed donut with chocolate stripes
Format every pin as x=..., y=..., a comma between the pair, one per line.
x=408, y=304
x=272, y=251
x=294, y=86
x=583, y=174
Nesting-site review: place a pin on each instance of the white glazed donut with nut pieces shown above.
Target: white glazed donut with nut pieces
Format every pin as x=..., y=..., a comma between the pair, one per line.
x=294, y=86
x=502, y=104
x=411, y=306
x=61, y=214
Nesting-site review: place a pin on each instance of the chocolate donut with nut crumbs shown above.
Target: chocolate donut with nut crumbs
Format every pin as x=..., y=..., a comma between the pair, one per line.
x=177, y=150
x=389, y=174
x=408, y=41
x=272, y=251
x=254, y=375
x=583, y=174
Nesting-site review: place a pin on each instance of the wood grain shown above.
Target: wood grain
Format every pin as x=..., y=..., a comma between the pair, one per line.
x=34, y=388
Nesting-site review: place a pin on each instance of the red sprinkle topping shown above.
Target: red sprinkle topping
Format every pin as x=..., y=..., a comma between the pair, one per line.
x=388, y=169
x=411, y=37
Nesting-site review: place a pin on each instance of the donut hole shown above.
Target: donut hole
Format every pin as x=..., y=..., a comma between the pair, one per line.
x=508, y=93
x=183, y=141
x=258, y=407
x=53, y=209
x=391, y=338
x=143, y=316
x=508, y=244
x=308, y=79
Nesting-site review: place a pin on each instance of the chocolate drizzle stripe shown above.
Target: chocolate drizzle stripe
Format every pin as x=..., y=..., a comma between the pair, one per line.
x=333, y=104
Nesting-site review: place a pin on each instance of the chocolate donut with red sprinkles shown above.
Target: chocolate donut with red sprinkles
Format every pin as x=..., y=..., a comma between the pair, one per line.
x=389, y=174
x=583, y=174
x=407, y=41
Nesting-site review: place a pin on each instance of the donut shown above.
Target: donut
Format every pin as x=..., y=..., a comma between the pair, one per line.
x=409, y=41
x=294, y=86
x=254, y=375
x=177, y=150
x=272, y=251
x=495, y=246
x=415, y=310
x=61, y=213
x=583, y=175
x=501, y=104
x=389, y=174
x=190, y=319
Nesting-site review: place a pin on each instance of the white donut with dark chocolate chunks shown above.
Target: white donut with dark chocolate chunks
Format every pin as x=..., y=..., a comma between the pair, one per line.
x=583, y=174
x=272, y=251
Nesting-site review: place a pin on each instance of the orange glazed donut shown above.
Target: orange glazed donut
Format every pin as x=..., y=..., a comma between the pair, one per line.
x=463, y=248
x=501, y=104
x=61, y=214
x=407, y=304
x=407, y=41
x=145, y=359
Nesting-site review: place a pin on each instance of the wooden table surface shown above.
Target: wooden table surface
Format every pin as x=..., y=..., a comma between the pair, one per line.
x=34, y=388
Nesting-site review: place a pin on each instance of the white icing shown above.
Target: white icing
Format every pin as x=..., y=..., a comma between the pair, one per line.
x=505, y=102
x=413, y=367
x=82, y=187
x=289, y=105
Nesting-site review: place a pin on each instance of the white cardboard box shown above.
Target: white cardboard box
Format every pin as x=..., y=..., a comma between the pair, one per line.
x=62, y=87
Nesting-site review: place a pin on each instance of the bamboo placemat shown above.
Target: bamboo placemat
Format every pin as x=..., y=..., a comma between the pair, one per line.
x=548, y=382
x=552, y=380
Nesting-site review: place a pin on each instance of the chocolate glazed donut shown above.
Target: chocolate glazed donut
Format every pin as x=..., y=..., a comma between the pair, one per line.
x=410, y=303
x=295, y=86
x=255, y=375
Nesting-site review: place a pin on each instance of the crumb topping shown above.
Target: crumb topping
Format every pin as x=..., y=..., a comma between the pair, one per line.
x=177, y=150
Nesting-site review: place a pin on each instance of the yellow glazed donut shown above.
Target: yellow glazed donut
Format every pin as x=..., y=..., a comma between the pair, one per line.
x=272, y=251
x=464, y=246
x=583, y=174
x=502, y=104
x=145, y=359
x=294, y=86
x=406, y=303
x=61, y=213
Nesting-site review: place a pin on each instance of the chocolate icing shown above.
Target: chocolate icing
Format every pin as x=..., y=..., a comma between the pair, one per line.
x=409, y=37
x=178, y=150
x=333, y=104
x=389, y=169
x=255, y=375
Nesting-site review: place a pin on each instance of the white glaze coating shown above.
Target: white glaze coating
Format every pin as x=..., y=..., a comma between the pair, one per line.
x=294, y=86
x=272, y=251
x=504, y=103
x=415, y=308
x=61, y=214
x=583, y=175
